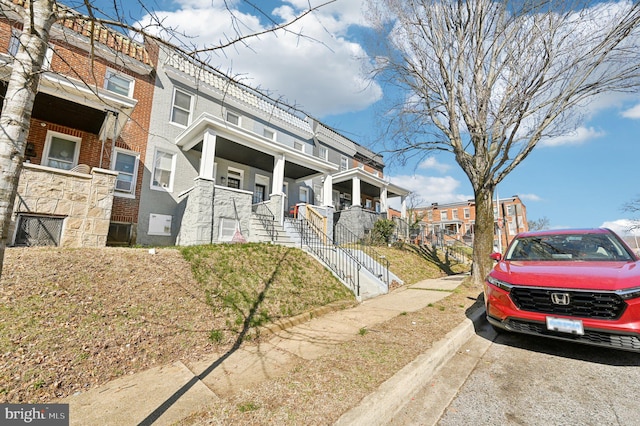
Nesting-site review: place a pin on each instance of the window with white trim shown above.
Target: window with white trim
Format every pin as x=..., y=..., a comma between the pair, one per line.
x=181, y=108
x=233, y=118
x=344, y=163
x=119, y=83
x=323, y=152
x=454, y=213
x=467, y=213
x=164, y=165
x=443, y=215
x=235, y=178
x=61, y=151
x=126, y=164
x=303, y=194
x=14, y=43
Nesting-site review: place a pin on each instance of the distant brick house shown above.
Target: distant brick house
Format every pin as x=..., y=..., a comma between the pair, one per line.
x=456, y=221
x=80, y=183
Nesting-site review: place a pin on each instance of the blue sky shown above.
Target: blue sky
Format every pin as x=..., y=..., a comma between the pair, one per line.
x=581, y=180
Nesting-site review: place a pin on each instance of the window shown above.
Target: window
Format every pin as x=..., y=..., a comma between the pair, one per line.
x=443, y=215
x=126, y=164
x=38, y=230
x=323, y=152
x=233, y=118
x=181, y=109
x=259, y=193
x=303, y=194
x=119, y=234
x=163, y=167
x=454, y=214
x=234, y=178
x=511, y=211
x=378, y=208
x=268, y=133
x=368, y=203
x=317, y=194
x=430, y=216
x=467, y=213
x=14, y=44
x=344, y=163
x=61, y=151
x=118, y=83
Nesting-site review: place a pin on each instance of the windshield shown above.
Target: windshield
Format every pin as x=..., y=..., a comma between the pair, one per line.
x=580, y=247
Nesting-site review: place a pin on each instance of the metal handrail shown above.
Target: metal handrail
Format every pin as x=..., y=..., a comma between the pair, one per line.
x=266, y=217
x=339, y=260
x=374, y=262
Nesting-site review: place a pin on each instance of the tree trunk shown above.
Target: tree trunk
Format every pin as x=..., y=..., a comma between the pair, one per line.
x=18, y=104
x=484, y=233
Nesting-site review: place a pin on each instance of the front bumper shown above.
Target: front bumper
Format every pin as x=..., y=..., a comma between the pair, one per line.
x=622, y=333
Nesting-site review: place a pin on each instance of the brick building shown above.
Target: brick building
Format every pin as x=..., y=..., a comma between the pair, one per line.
x=456, y=221
x=81, y=177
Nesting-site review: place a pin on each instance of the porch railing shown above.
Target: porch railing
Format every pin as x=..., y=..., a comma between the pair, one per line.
x=372, y=261
x=266, y=218
x=342, y=262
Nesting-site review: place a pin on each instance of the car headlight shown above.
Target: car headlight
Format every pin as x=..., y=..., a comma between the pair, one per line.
x=631, y=293
x=502, y=285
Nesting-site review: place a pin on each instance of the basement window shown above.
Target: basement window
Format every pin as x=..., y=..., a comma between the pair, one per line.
x=38, y=231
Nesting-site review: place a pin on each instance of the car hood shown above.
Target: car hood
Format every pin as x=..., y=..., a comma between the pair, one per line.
x=582, y=275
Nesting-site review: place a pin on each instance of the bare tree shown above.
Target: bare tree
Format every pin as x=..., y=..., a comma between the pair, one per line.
x=539, y=224
x=487, y=80
x=633, y=207
x=37, y=18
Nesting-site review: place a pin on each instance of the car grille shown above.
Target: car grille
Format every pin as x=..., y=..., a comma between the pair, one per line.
x=600, y=338
x=584, y=304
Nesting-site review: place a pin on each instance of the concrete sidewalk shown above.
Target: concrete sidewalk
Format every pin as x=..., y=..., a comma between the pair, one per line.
x=167, y=394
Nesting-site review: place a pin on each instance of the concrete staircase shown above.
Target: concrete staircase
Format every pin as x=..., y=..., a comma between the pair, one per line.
x=343, y=264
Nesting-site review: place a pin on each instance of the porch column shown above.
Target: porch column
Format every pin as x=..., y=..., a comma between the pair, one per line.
x=278, y=175
x=207, y=159
x=383, y=200
x=403, y=209
x=327, y=191
x=355, y=192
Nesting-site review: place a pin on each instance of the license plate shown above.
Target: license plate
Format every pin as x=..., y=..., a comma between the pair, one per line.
x=564, y=325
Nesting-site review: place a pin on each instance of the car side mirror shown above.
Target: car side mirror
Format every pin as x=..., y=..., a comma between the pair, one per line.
x=496, y=256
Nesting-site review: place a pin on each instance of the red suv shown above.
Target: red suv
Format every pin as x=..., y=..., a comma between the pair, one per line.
x=580, y=285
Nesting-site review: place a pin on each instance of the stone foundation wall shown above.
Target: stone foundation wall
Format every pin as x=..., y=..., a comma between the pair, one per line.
x=83, y=200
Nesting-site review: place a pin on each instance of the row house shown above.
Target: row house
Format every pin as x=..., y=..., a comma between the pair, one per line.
x=220, y=151
x=80, y=182
x=135, y=143
x=452, y=222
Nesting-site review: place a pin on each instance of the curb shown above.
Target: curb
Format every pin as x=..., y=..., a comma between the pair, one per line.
x=380, y=407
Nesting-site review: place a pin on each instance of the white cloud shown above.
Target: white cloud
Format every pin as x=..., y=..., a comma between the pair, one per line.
x=432, y=164
x=429, y=189
x=621, y=227
x=633, y=113
x=529, y=197
x=577, y=137
x=321, y=73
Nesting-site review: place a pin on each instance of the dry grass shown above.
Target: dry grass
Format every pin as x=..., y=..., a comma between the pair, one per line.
x=74, y=319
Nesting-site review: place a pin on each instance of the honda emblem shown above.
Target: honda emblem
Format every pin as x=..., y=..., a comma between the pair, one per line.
x=560, y=298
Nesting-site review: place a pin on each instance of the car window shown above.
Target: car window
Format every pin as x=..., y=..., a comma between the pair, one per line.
x=578, y=247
